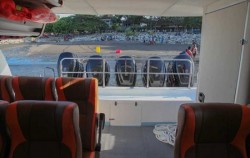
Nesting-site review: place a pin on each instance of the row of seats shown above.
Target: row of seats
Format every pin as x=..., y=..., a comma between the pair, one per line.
x=79, y=90
x=213, y=130
x=27, y=88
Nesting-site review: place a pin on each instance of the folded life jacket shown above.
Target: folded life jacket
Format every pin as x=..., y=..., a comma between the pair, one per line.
x=10, y=10
x=42, y=15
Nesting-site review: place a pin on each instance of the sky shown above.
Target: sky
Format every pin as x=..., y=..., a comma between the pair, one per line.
x=64, y=15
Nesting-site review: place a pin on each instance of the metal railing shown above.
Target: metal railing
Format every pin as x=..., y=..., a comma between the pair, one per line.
x=104, y=59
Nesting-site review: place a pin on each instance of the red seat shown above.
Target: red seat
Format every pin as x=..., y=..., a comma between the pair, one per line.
x=84, y=93
x=44, y=129
x=4, y=136
x=6, y=91
x=33, y=88
x=212, y=130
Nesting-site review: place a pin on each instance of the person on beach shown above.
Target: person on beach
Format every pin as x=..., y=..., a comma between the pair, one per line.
x=162, y=39
x=189, y=52
x=194, y=49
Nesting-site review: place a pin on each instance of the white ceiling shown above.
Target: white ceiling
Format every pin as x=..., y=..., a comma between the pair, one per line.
x=135, y=7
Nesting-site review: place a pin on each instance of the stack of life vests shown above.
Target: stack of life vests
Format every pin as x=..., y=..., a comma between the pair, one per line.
x=40, y=13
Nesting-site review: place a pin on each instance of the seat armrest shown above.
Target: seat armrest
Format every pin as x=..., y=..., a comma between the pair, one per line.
x=100, y=124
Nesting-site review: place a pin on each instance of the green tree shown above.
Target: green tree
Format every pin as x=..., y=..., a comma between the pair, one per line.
x=120, y=23
x=89, y=23
x=81, y=23
x=192, y=22
x=49, y=28
x=116, y=19
x=64, y=25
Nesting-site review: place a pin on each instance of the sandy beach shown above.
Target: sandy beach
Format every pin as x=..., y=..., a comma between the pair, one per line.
x=107, y=48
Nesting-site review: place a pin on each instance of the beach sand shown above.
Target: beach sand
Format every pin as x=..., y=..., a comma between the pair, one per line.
x=108, y=47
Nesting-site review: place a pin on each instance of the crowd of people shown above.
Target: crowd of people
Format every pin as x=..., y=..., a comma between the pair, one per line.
x=150, y=38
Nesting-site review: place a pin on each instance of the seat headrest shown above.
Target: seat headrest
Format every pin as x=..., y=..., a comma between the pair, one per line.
x=6, y=91
x=43, y=126
x=213, y=120
x=41, y=120
x=33, y=88
x=212, y=130
x=75, y=88
x=4, y=135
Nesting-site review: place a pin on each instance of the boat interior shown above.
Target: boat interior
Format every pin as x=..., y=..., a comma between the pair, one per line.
x=77, y=115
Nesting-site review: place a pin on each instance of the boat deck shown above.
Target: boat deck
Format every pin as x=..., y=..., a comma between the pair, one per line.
x=140, y=106
x=133, y=142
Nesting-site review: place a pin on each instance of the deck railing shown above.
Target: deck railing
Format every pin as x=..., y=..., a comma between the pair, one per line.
x=107, y=59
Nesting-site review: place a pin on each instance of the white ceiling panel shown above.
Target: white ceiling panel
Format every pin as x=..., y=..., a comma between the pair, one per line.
x=140, y=7
x=136, y=7
x=75, y=7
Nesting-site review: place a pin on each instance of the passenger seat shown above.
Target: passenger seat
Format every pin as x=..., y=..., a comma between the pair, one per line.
x=44, y=129
x=212, y=130
x=6, y=91
x=4, y=136
x=84, y=92
x=34, y=88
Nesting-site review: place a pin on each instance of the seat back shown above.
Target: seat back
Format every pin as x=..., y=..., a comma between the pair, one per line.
x=214, y=130
x=42, y=129
x=33, y=88
x=6, y=91
x=84, y=93
x=4, y=136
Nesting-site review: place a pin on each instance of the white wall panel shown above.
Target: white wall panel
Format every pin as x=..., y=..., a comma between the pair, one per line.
x=4, y=67
x=221, y=53
x=243, y=93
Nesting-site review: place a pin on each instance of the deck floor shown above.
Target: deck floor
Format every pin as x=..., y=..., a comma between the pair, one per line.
x=133, y=142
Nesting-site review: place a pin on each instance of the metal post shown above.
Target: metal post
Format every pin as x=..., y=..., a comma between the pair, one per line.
x=103, y=73
x=190, y=73
x=148, y=73
x=60, y=75
x=50, y=68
